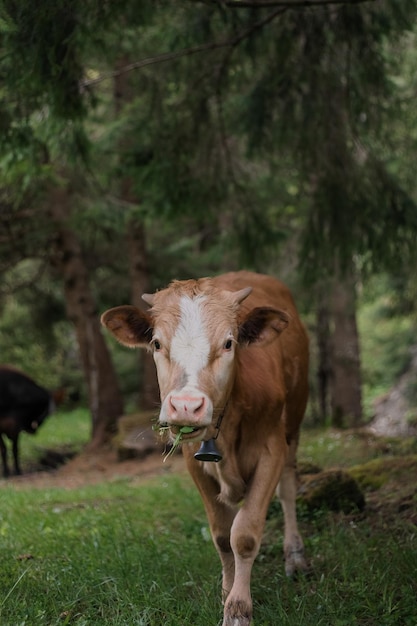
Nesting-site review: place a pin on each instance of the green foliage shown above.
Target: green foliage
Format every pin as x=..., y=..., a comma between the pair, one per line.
x=26, y=348
x=183, y=128
x=34, y=334
x=386, y=336
x=327, y=73
x=299, y=132
x=46, y=45
x=43, y=39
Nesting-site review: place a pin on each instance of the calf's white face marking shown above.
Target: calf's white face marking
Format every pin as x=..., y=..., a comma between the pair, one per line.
x=190, y=346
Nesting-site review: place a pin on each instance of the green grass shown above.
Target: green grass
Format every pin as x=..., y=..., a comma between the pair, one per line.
x=127, y=553
x=361, y=575
x=330, y=447
x=122, y=554
x=113, y=554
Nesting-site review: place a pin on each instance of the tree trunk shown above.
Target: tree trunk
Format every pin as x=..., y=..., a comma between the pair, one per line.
x=136, y=244
x=346, y=395
x=139, y=275
x=104, y=396
x=324, y=358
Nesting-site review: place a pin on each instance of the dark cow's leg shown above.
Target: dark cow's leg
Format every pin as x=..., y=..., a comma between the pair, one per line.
x=15, y=449
x=3, y=451
x=287, y=493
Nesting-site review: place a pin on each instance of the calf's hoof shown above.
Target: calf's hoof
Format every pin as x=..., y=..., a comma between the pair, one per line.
x=295, y=563
x=237, y=614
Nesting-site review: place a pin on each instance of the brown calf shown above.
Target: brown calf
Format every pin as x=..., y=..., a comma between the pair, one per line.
x=232, y=359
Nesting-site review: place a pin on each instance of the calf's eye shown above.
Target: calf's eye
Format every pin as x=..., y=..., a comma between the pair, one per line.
x=157, y=345
x=228, y=344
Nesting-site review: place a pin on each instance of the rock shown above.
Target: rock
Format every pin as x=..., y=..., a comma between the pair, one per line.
x=335, y=490
x=307, y=467
x=136, y=437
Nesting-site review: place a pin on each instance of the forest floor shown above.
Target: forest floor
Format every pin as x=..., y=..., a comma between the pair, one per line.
x=387, y=470
x=102, y=466
x=393, y=479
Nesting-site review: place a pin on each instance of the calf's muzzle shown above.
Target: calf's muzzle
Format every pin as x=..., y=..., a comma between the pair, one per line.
x=187, y=409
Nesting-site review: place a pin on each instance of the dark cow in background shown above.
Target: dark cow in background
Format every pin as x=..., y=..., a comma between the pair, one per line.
x=232, y=360
x=23, y=407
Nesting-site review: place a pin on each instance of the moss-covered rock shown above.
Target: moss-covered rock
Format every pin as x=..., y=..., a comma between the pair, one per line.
x=334, y=490
x=308, y=467
x=136, y=437
x=376, y=473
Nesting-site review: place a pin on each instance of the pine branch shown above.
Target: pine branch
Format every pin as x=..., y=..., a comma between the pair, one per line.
x=283, y=6
x=172, y=56
x=288, y=4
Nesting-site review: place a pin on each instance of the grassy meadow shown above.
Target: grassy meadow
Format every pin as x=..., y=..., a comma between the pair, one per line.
x=135, y=553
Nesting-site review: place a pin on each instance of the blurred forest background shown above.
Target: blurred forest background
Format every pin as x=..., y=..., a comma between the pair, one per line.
x=145, y=140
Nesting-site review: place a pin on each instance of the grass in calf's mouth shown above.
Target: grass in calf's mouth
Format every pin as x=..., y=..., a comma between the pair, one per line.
x=184, y=430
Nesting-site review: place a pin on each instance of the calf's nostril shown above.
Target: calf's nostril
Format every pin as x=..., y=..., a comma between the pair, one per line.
x=199, y=408
x=172, y=406
x=186, y=406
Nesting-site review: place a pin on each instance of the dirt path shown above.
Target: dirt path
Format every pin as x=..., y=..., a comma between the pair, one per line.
x=87, y=469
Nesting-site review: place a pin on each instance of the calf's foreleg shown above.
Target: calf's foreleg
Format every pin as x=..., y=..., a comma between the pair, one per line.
x=220, y=517
x=246, y=533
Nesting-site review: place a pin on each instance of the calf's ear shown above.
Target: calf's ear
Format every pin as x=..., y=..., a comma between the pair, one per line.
x=131, y=326
x=262, y=325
